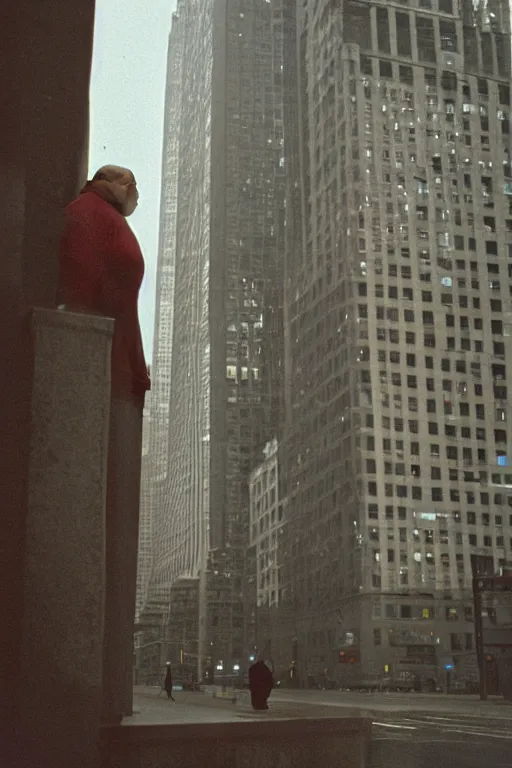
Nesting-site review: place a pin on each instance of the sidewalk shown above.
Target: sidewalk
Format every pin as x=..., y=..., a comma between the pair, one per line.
x=150, y=707
x=290, y=704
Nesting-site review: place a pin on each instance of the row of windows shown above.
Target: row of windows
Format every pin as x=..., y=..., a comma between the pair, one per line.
x=428, y=318
x=450, y=430
x=444, y=537
x=416, y=492
x=458, y=642
x=445, y=365
x=453, y=453
x=445, y=281
x=393, y=313
x=399, y=469
x=484, y=518
x=395, y=357
x=395, y=378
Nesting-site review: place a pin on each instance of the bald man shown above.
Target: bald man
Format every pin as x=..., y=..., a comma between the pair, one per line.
x=101, y=271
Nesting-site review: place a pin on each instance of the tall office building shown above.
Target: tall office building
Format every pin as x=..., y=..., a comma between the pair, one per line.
x=153, y=598
x=398, y=319
x=223, y=321
x=145, y=546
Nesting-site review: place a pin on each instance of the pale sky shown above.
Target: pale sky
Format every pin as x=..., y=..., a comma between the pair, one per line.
x=127, y=112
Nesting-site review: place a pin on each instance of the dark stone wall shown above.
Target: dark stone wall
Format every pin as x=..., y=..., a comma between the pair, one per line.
x=311, y=743
x=45, y=58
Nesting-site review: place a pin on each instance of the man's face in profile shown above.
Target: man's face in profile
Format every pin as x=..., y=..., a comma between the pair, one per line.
x=129, y=194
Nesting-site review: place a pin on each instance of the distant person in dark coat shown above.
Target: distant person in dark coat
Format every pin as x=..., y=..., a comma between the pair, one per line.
x=168, y=683
x=261, y=683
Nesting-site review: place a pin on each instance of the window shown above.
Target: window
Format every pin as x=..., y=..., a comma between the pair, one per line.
x=385, y=67
x=377, y=637
x=403, y=38
x=445, y=6
x=455, y=642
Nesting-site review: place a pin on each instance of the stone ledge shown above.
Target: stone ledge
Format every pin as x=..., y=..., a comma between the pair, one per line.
x=154, y=734
x=76, y=321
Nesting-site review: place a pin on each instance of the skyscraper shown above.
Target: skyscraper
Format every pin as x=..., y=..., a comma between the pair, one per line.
x=225, y=295
x=154, y=474
x=398, y=331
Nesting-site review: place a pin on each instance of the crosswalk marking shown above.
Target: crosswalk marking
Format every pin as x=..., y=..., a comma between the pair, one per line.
x=395, y=725
x=446, y=725
x=487, y=734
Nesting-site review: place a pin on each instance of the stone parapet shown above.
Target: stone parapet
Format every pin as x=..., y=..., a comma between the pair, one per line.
x=301, y=743
x=65, y=538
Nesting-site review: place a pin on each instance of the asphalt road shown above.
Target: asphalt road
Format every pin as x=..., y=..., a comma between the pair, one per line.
x=399, y=702
x=439, y=741
x=424, y=730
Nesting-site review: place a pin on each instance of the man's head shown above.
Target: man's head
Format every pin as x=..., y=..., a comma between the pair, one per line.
x=121, y=184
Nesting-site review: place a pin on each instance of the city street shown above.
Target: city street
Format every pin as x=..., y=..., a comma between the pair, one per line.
x=425, y=730
x=400, y=702
x=409, y=730
x=457, y=741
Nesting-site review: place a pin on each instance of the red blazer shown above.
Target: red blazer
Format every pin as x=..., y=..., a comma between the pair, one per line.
x=101, y=271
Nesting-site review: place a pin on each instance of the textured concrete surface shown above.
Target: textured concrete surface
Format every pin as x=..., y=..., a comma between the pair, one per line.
x=122, y=529
x=65, y=551
x=276, y=743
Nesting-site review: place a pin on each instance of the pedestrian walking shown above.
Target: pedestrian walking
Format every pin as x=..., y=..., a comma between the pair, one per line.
x=261, y=682
x=168, y=682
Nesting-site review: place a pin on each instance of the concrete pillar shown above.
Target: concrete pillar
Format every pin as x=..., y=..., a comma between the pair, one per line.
x=63, y=599
x=43, y=155
x=122, y=526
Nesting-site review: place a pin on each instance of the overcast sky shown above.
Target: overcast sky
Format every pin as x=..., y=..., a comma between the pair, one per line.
x=127, y=102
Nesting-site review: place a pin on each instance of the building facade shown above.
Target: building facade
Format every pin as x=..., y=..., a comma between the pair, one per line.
x=152, y=592
x=225, y=312
x=266, y=522
x=396, y=457
x=145, y=546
